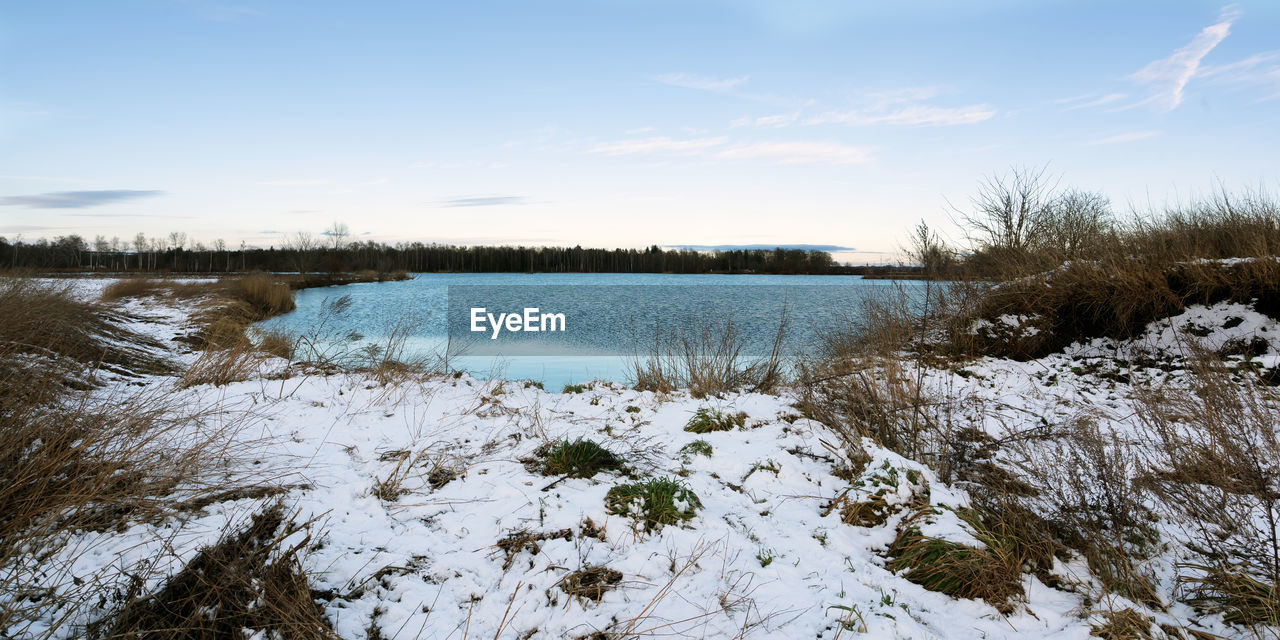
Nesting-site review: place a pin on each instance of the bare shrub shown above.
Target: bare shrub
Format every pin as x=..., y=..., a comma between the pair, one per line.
x=928, y=249
x=708, y=358
x=1087, y=477
x=1076, y=224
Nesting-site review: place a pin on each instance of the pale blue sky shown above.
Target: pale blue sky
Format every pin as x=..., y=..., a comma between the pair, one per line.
x=619, y=123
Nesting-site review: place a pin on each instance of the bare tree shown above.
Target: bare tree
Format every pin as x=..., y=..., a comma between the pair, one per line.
x=220, y=246
x=140, y=246
x=100, y=247
x=303, y=246
x=926, y=248
x=1076, y=222
x=338, y=232
x=1009, y=210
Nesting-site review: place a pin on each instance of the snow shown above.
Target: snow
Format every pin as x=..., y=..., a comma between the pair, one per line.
x=425, y=564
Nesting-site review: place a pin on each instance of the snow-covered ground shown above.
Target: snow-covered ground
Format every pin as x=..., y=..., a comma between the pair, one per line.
x=764, y=556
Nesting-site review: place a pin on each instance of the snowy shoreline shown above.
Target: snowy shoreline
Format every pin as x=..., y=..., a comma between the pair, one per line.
x=766, y=555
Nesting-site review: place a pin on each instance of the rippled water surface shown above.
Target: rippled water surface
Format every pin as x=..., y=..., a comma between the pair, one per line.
x=604, y=310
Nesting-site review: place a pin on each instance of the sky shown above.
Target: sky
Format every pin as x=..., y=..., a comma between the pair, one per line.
x=616, y=123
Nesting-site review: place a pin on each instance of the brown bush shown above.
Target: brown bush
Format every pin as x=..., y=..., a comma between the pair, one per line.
x=276, y=342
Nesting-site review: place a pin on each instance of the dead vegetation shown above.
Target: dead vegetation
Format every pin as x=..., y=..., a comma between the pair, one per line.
x=74, y=460
x=248, y=580
x=590, y=583
x=1217, y=471
x=709, y=358
x=1193, y=467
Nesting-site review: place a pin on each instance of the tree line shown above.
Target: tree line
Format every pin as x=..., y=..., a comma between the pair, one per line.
x=332, y=252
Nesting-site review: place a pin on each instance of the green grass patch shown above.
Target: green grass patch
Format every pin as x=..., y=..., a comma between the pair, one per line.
x=765, y=556
x=708, y=420
x=573, y=388
x=653, y=503
x=697, y=448
x=580, y=458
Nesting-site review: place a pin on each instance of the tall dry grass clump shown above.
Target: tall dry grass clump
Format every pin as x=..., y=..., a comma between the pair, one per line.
x=264, y=296
x=867, y=377
x=50, y=332
x=239, y=303
x=1217, y=470
x=709, y=358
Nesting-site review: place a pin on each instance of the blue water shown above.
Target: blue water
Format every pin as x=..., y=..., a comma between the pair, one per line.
x=597, y=348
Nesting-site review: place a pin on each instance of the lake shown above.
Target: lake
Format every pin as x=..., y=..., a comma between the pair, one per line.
x=610, y=317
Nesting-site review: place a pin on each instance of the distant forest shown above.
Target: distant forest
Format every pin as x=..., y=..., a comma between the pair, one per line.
x=305, y=253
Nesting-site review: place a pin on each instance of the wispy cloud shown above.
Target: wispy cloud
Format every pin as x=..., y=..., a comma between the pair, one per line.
x=660, y=144
x=732, y=87
x=774, y=121
x=300, y=182
x=1260, y=70
x=1168, y=77
x=907, y=106
x=484, y=201
x=909, y=115
x=702, y=83
x=76, y=199
x=819, y=152
x=1095, y=102
x=1123, y=137
x=781, y=152
x=23, y=228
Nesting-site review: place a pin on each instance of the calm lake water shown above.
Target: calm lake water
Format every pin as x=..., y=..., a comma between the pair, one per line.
x=610, y=317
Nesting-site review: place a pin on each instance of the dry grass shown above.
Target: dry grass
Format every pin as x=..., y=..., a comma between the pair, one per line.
x=993, y=573
x=49, y=336
x=1216, y=471
x=223, y=366
x=275, y=342
x=131, y=288
x=708, y=358
x=75, y=460
x=88, y=464
x=1125, y=624
x=250, y=580
x=879, y=397
x=590, y=583
x=1086, y=482
x=237, y=304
